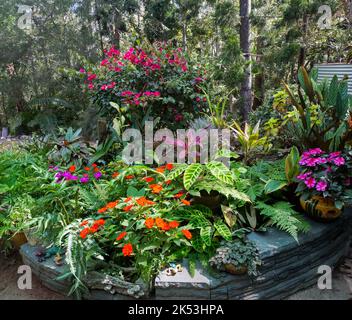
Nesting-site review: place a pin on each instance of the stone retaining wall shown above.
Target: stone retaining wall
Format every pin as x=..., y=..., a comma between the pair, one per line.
x=287, y=267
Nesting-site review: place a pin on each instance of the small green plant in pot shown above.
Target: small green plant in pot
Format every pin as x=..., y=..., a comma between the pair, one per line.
x=237, y=257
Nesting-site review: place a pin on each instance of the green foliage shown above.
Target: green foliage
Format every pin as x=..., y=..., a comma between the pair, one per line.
x=284, y=217
x=240, y=254
x=249, y=140
x=330, y=131
x=69, y=148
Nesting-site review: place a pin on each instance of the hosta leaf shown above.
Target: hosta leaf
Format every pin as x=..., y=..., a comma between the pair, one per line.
x=220, y=171
x=206, y=235
x=191, y=175
x=223, y=230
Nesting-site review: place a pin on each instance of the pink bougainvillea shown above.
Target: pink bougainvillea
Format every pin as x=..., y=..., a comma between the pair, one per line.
x=154, y=81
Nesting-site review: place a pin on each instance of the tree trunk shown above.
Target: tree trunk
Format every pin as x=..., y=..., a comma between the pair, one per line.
x=259, y=78
x=184, y=36
x=302, y=53
x=245, y=40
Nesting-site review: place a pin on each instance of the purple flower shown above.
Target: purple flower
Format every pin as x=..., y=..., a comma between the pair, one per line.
x=304, y=176
x=316, y=151
x=335, y=154
x=321, y=186
x=311, y=162
x=310, y=182
x=322, y=160
x=97, y=175
x=339, y=161
x=84, y=180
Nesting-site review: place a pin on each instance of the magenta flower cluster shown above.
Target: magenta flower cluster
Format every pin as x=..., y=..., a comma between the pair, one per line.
x=318, y=160
x=71, y=174
x=314, y=157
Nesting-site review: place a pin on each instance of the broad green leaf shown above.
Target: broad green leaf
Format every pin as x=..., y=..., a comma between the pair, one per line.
x=191, y=175
x=206, y=235
x=177, y=171
x=223, y=229
x=229, y=216
x=220, y=171
x=274, y=185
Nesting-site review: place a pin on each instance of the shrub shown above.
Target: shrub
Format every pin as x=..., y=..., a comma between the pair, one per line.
x=148, y=82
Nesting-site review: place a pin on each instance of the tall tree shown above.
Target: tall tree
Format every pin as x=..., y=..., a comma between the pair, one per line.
x=245, y=40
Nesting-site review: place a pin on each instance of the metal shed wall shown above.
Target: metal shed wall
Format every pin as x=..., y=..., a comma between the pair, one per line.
x=327, y=71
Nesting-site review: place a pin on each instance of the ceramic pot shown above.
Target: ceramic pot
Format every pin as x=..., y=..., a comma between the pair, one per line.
x=320, y=208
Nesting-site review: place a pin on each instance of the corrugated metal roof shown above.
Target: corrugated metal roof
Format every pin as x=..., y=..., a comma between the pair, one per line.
x=327, y=71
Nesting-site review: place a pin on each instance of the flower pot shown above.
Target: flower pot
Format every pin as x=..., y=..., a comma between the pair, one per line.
x=18, y=239
x=236, y=270
x=31, y=238
x=320, y=209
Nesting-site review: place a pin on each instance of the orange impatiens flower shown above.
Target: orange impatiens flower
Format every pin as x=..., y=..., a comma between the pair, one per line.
x=148, y=179
x=96, y=169
x=156, y=188
x=129, y=177
x=127, y=199
x=174, y=224
x=128, y=208
x=84, y=233
x=168, y=182
x=86, y=168
x=94, y=165
x=169, y=166
x=143, y=201
x=84, y=223
x=159, y=222
x=121, y=236
x=112, y=205
x=102, y=210
x=115, y=175
x=127, y=250
x=165, y=226
x=187, y=234
x=72, y=169
x=179, y=195
x=149, y=223
x=185, y=202
x=160, y=169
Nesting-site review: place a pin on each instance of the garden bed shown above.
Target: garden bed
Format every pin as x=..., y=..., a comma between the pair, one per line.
x=287, y=268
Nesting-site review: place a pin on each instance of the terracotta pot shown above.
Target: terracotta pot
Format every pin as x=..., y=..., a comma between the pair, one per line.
x=320, y=208
x=236, y=270
x=18, y=240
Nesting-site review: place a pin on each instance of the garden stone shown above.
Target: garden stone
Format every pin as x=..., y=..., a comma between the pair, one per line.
x=287, y=267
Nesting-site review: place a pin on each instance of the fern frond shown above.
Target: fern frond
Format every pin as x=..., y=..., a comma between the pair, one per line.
x=284, y=217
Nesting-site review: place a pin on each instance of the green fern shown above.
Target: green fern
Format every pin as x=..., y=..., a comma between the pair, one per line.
x=284, y=217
